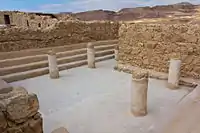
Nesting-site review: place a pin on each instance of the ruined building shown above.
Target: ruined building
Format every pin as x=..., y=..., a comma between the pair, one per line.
x=29, y=20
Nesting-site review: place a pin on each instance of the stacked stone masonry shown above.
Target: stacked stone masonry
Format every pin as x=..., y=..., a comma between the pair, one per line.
x=151, y=46
x=19, y=111
x=59, y=34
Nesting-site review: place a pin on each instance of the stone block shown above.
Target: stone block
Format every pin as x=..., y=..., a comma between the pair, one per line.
x=19, y=111
x=33, y=126
x=8, y=92
x=20, y=108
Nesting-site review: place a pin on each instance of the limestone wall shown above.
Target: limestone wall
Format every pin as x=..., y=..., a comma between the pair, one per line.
x=61, y=33
x=19, y=111
x=151, y=46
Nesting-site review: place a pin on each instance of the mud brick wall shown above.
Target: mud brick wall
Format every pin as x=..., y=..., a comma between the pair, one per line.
x=151, y=46
x=19, y=111
x=61, y=33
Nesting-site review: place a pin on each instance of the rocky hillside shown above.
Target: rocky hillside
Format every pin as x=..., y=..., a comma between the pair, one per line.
x=126, y=14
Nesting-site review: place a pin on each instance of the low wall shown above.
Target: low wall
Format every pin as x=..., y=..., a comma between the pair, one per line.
x=151, y=46
x=62, y=33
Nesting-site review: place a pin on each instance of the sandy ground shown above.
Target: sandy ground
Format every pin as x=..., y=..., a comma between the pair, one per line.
x=98, y=100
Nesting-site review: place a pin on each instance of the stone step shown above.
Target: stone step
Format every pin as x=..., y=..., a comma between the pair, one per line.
x=104, y=47
x=43, y=71
x=107, y=57
x=25, y=75
x=42, y=64
x=104, y=53
x=42, y=51
x=38, y=58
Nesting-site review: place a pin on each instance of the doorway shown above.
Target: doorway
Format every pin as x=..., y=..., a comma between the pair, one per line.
x=7, y=19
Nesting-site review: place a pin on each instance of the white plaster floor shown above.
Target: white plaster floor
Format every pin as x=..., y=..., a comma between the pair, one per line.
x=97, y=100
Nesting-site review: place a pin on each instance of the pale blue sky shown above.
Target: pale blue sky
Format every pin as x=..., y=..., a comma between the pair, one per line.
x=79, y=5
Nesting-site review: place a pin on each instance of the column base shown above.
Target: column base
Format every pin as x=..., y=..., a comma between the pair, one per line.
x=92, y=66
x=54, y=75
x=172, y=86
x=139, y=113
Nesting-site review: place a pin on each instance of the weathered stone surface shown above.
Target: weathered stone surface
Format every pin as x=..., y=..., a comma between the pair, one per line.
x=9, y=92
x=20, y=108
x=19, y=111
x=151, y=46
x=33, y=126
x=3, y=122
x=138, y=74
x=14, y=130
x=60, y=130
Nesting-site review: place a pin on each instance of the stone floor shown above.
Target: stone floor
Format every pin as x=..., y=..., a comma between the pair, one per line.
x=98, y=100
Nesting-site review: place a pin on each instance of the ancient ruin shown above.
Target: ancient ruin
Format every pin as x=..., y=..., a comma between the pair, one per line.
x=158, y=44
x=28, y=20
x=153, y=88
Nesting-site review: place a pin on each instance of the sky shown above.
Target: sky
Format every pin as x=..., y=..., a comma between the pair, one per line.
x=54, y=6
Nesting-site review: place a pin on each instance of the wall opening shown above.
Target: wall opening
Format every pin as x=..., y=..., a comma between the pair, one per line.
x=39, y=25
x=7, y=19
x=27, y=23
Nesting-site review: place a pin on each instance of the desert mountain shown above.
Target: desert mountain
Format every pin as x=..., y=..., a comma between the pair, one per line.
x=126, y=14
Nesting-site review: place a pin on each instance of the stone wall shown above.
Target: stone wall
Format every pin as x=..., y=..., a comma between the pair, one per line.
x=29, y=20
x=19, y=111
x=61, y=33
x=151, y=46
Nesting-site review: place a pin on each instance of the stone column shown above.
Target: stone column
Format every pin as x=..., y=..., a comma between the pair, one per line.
x=91, y=55
x=53, y=67
x=116, y=52
x=174, y=74
x=139, y=93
